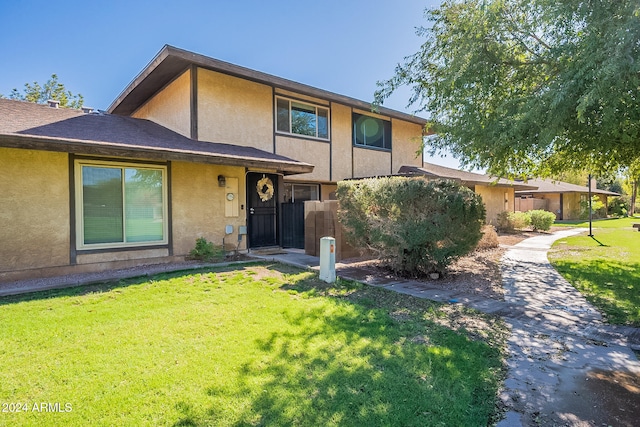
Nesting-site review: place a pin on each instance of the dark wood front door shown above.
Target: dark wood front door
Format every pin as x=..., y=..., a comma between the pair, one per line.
x=262, y=213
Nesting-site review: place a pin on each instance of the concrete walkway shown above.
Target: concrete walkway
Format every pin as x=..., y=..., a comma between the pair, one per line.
x=566, y=366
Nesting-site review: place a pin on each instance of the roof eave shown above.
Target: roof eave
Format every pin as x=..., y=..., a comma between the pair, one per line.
x=152, y=153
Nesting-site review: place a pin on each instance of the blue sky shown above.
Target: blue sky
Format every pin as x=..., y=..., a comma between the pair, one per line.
x=97, y=47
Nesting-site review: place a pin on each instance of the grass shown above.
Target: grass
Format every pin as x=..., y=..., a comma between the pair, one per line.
x=256, y=345
x=605, y=267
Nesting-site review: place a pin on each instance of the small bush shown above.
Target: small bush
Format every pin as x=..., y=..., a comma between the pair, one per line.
x=206, y=251
x=503, y=223
x=489, y=238
x=415, y=226
x=541, y=220
x=520, y=220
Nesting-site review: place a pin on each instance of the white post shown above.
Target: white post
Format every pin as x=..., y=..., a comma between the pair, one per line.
x=328, y=259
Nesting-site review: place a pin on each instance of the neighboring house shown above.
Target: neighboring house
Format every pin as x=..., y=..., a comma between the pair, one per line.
x=497, y=194
x=561, y=198
x=194, y=147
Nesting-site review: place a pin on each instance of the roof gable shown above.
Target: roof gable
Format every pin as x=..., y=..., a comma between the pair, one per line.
x=171, y=62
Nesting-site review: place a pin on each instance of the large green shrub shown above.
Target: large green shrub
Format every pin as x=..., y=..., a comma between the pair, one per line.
x=541, y=220
x=415, y=226
x=619, y=206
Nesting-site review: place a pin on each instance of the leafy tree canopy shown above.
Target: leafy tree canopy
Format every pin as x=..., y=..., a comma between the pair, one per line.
x=529, y=87
x=52, y=89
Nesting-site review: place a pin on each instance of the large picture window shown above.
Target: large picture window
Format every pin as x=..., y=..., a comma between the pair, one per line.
x=371, y=131
x=119, y=205
x=302, y=119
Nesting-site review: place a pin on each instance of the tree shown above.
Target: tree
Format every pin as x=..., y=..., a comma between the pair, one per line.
x=52, y=89
x=529, y=87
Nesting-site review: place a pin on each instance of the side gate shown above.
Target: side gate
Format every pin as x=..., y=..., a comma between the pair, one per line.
x=292, y=225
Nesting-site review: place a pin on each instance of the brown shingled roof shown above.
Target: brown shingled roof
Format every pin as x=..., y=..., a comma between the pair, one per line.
x=40, y=127
x=464, y=177
x=550, y=186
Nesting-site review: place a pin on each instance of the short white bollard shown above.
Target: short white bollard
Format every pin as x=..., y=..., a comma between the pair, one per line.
x=328, y=259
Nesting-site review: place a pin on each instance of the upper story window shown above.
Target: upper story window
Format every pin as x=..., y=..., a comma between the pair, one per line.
x=300, y=118
x=371, y=131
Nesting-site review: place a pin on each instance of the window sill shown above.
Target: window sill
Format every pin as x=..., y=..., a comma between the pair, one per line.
x=305, y=137
x=371, y=147
x=103, y=249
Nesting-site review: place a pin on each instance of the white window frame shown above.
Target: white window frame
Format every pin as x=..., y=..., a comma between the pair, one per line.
x=79, y=205
x=293, y=185
x=309, y=104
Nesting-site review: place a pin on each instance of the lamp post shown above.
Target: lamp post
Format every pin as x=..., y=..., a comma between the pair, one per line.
x=590, y=211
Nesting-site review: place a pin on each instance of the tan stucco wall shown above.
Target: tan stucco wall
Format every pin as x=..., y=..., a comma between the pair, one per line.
x=34, y=209
x=171, y=106
x=571, y=202
x=496, y=200
x=234, y=111
x=406, y=139
x=130, y=255
x=198, y=205
x=296, y=95
x=553, y=203
x=308, y=151
x=342, y=131
x=327, y=190
x=369, y=162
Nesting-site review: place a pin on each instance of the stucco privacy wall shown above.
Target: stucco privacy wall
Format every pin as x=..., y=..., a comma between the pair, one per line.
x=34, y=209
x=496, y=200
x=171, y=106
x=234, y=111
x=198, y=205
x=406, y=140
x=553, y=203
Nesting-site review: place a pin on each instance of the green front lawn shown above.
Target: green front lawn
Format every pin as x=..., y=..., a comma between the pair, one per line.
x=605, y=268
x=255, y=345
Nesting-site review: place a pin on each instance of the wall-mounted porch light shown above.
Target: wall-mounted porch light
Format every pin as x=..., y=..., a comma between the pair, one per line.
x=222, y=181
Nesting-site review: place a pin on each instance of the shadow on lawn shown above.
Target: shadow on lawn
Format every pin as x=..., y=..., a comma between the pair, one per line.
x=612, y=286
x=371, y=357
x=358, y=365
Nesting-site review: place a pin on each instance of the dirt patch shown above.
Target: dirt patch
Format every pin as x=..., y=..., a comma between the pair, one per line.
x=477, y=273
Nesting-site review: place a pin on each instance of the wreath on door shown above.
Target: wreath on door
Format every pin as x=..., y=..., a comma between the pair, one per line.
x=265, y=188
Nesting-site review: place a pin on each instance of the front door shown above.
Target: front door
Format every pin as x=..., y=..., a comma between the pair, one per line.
x=262, y=212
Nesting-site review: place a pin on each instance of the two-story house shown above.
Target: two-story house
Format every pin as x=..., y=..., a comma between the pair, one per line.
x=210, y=100
x=193, y=147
